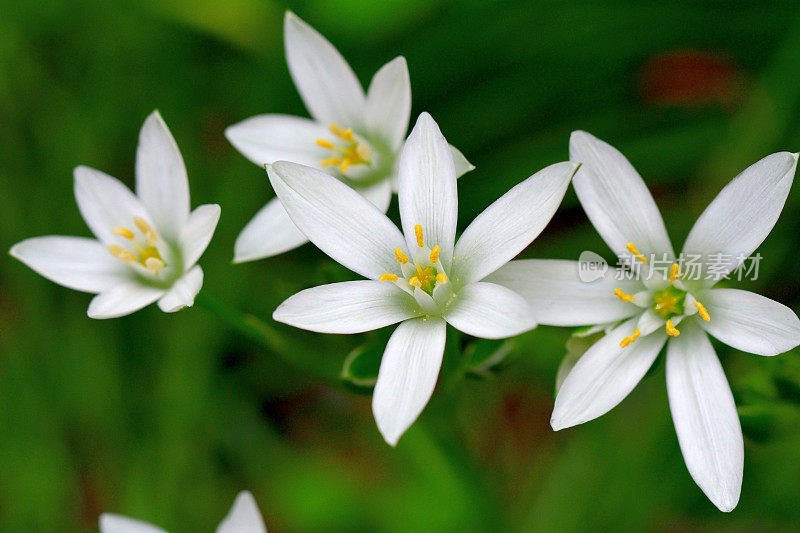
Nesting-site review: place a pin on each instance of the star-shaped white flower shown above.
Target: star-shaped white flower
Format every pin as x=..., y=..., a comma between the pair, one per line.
x=244, y=517
x=423, y=279
x=674, y=303
x=353, y=137
x=147, y=245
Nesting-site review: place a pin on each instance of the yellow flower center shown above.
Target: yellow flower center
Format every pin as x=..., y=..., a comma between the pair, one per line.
x=425, y=272
x=351, y=151
x=145, y=250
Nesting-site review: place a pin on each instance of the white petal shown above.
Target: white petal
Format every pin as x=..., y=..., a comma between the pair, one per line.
x=244, y=516
x=264, y=139
x=462, y=165
x=705, y=417
x=341, y=222
x=380, y=194
x=510, y=224
x=427, y=188
x=74, y=262
x=616, y=199
x=489, y=311
x=113, y=523
x=347, y=307
x=742, y=214
x=408, y=373
x=604, y=376
x=327, y=84
x=161, y=181
x=197, y=232
x=750, y=322
x=105, y=203
x=558, y=296
x=389, y=102
x=123, y=299
x=270, y=232
x=183, y=291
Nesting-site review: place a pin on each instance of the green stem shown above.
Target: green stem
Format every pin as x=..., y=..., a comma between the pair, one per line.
x=249, y=325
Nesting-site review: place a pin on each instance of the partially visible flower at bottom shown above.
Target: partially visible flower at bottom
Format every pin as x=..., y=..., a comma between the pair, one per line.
x=420, y=277
x=146, y=246
x=244, y=517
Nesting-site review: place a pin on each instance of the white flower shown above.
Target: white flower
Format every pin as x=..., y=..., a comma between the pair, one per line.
x=423, y=279
x=353, y=137
x=671, y=304
x=147, y=244
x=244, y=517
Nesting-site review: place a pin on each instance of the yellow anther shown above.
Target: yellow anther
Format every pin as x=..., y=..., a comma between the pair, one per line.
x=435, y=254
x=388, y=277
x=672, y=331
x=624, y=343
x=635, y=251
x=148, y=231
x=702, y=311
x=345, y=165
x=121, y=254
x=325, y=144
x=153, y=264
x=622, y=296
x=123, y=232
x=331, y=162
x=674, y=272
x=343, y=134
x=441, y=277
x=418, y=233
x=401, y=257
x=414, y=280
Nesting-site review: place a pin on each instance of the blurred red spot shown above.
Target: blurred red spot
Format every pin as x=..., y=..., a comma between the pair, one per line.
x=689, y=78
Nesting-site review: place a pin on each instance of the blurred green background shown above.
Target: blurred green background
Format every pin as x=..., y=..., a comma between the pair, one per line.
x=166, y=417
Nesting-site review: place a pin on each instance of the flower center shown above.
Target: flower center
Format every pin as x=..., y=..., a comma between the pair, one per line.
x=425, y=272
x=351, y=151
x=145, y=246
x=669, y=302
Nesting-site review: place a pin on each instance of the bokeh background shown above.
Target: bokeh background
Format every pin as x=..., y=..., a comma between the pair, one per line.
x=166, y=417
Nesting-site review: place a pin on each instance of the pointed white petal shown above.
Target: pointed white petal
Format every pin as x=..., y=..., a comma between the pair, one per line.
x=105, y=203
x=341, y=222
x=264, y=139
x=462, y=165
x=408, y=373
x=489, y=311
x=427, y=188
x=244, y=516
x=183, y=291
x=327, y=84
x=197, y=232
x=604, y=376
x=123, y=299
x=750, y=322
x=379, y=194
x=270, y=232
x=389, y=102
x=616, y=199
x=113, y=523
x=705, y=417
x=558, y=296
x=510, y=224
x=161, y=181
x=74, y=262
x=347, y=307
x=742, y=214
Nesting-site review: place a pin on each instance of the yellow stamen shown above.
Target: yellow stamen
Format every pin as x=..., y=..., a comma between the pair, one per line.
x=702, y=311
x=154, y=264
x=343, y=134
x=123, y=232
x=401, y=257
x=435, y=254
x=330, y=162
x=624, y=343
x=622, y=296
x=672, y=331
x=674, y=272
x=635, y=251
x=345, y=165
x=414, y=280
x=418, y=232
x=388, y=277
x=121, y=254
x=441, y=277
x=325, y=144
x=148, y=231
